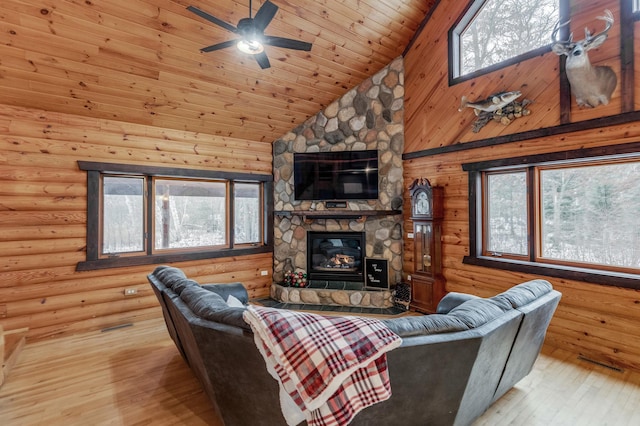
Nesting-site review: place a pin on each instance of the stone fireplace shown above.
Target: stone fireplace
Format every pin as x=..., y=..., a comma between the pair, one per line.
x=368, y=117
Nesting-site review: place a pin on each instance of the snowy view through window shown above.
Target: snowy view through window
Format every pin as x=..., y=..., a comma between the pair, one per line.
x=123, y=214
x=588, y=214
x=507, y=213
x=247, y=213
x=502, y=30
x=592, y=214
x=187, y=214
x=190, y=214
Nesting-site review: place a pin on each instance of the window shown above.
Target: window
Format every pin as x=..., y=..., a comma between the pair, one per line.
x=247, y=203
x=574, y=214
x=191, y=213
x=506, y=213
x=143, y=215
x=123, y=214
x=494, y=33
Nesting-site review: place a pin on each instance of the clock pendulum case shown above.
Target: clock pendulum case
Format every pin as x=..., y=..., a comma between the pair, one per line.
x=427, y=212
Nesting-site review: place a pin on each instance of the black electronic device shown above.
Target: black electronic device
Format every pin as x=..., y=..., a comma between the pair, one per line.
x=335, y=204
x=340, y=175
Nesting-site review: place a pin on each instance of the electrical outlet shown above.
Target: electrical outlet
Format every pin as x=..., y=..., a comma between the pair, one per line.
x=410, y=235
x=408, y=277
x=264, y=273
x=130, y=291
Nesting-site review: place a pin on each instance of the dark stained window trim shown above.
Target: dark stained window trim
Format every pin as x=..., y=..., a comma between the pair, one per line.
x=578, y=274
x=95, y=169
x=119, y=262
x=589, y=275
x=491, y=68
x=170, y=171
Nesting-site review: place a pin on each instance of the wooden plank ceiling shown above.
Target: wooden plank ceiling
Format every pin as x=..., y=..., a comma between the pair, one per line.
x=139, y=60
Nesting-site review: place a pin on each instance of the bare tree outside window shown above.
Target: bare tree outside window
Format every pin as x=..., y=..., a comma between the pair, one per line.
x=506, y=215
x=123, y=214
x=247, y=198
x=189, y=214
x=591, y=214
x=501, y=30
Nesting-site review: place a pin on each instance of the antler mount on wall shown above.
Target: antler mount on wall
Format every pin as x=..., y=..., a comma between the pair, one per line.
x=591, y=85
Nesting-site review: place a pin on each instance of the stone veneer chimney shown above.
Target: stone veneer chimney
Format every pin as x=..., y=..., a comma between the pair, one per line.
x=370, y=116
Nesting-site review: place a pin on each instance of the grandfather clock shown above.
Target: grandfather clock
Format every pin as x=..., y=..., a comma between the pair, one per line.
x=427, y=211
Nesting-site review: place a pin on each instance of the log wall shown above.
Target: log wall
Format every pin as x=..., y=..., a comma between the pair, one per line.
x=598, y=322
x=43, y=202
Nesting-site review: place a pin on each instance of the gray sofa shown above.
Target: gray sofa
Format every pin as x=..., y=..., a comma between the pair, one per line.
x=450, y=368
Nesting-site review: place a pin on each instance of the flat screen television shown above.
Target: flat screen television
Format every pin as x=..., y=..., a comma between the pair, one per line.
x=341, y=175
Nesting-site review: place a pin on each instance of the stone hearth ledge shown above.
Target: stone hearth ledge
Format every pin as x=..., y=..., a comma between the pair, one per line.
x=315, y=296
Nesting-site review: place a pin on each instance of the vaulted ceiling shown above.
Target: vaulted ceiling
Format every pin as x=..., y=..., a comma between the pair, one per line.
x=140, y=61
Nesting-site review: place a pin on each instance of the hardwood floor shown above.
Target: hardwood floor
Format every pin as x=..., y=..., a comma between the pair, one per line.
x=135, y=376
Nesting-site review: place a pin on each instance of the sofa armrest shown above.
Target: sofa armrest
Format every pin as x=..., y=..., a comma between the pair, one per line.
x=236, y=290
x=452, y=300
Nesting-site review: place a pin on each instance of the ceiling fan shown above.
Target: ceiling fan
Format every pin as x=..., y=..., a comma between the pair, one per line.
x=251, y=31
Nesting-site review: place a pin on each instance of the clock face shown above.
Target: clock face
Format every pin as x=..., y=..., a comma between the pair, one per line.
x=422, y=206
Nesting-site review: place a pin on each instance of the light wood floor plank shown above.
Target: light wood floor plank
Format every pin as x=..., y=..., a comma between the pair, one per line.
x=135, y=376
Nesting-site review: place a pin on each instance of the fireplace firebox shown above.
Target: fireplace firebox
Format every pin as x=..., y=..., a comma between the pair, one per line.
x=335, y=256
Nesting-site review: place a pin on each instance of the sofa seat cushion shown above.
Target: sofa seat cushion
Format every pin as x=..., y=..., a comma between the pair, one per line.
x=425, y=325
x=477, y=312
x=211, y=306
x=525, y=293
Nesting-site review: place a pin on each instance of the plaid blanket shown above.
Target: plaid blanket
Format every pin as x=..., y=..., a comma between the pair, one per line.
x=329, y=367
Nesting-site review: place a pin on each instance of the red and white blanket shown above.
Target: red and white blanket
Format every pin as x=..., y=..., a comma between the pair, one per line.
x=329, y=367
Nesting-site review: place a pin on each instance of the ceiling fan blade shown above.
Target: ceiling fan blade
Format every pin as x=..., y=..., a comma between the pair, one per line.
x=219, y=46
x=262, y=60
x=264, y=15
x=212, y=18
x=287, y=43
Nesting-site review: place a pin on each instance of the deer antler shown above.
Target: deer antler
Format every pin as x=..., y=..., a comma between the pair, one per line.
x=608, y=19
x=554, y=34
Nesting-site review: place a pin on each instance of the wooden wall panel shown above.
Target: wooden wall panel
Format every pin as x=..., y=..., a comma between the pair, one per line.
x=599, y=322
x=432, y=115
x=139, y=60
x=43, y=200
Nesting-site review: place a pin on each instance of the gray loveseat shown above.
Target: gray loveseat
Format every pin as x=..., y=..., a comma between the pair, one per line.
x=449, y=369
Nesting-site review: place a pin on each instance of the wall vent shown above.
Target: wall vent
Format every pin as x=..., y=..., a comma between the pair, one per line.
x=601, y=364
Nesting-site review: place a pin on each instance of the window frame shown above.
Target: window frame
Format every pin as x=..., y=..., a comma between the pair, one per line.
x=535, y=264
x=460, y=25
x=95, y=171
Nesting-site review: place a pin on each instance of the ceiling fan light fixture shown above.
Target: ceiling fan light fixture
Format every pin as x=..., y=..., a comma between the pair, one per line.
x=251, y=47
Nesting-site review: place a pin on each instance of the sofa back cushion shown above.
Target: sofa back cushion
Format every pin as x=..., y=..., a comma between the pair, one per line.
x=425, y=325
x=477, y=312
x=451, y=300
x=173, y=278
x=525, y=293
x=225, y=290
x=211, y=306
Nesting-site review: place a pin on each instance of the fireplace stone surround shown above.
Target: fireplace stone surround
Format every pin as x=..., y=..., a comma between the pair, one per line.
x=369, y=116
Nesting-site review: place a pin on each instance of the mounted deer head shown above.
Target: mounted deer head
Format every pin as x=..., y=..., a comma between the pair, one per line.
x=591, y=85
